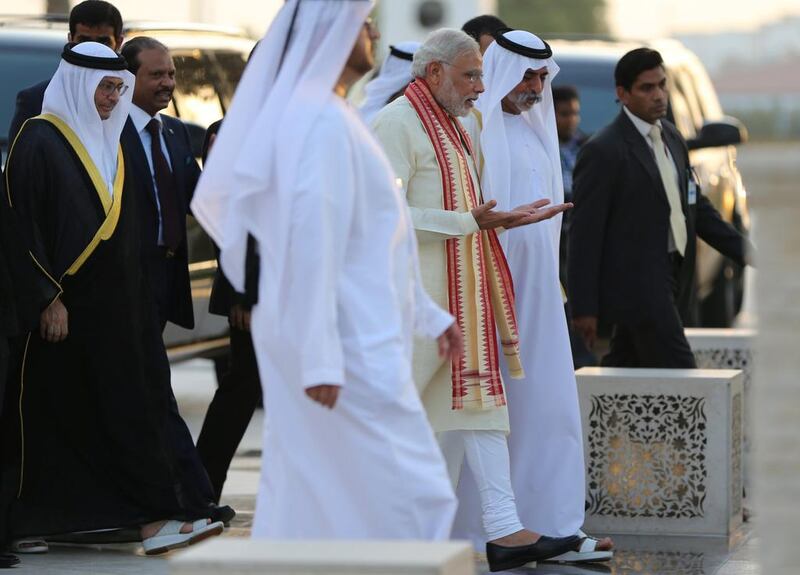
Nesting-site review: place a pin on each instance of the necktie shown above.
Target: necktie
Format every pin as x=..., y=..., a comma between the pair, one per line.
x=677, y=221
x=165, y=184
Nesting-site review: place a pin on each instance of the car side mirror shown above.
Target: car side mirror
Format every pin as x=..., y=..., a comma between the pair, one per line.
x=726, y=132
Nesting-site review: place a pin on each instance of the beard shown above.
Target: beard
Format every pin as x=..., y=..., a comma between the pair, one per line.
x=526, y=100
x=454, y=104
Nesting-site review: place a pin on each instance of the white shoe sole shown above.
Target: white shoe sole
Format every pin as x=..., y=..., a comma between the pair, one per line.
x=582, y=557
x=160, y=544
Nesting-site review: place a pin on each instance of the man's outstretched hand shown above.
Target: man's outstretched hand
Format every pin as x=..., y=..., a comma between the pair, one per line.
x=489, y=218
x=325, y=395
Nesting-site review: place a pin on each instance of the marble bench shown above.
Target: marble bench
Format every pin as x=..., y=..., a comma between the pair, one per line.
x=234, y=556
x=663, y=450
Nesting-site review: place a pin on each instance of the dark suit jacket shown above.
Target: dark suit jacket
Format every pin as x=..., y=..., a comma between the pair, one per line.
x=179, y=305
x=619, y=268
x=29, y=104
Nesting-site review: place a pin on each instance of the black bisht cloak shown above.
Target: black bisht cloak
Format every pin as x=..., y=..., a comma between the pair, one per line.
x=89, y=425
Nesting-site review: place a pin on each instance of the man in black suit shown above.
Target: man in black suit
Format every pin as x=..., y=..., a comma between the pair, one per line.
x=638, y=211
x=158, y=152
x=89, y=21
x=239, y=391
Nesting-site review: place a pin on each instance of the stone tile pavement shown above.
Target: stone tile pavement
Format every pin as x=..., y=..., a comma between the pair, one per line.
x=194, y=385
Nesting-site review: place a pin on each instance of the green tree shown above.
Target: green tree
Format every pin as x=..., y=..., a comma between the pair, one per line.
x=555, y=16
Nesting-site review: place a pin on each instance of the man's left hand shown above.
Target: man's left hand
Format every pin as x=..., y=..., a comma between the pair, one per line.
x=537, y=212
x=451, y=343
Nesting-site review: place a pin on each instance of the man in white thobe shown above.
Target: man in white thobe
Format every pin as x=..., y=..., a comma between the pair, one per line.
x=463, y=268
x=347, y=450
x=521, y=163
x=391, y=81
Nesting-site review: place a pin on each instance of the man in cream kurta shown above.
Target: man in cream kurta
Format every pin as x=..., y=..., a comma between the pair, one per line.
x=464, y=270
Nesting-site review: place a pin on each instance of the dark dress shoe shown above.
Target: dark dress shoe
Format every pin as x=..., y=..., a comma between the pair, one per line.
x=222, y=513
x=501, y=558
x=7, y=560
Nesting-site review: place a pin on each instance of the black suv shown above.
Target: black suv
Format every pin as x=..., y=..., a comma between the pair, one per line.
x=209, y=62
x=695, y=110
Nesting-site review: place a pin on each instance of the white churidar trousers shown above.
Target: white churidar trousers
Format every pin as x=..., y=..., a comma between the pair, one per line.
x=486, y=452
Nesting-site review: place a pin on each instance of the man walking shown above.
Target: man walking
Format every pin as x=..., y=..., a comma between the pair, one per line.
x=638, y=212
x=519, y=145
x=166, y=174
x=347, y=451
x=464, y=268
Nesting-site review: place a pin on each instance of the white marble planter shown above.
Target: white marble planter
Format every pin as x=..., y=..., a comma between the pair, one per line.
x=231, y=556
x=729, y=349
x=663, y=450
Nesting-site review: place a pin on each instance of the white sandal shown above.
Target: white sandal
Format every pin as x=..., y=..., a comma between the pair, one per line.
x=586, y=553
x=29, y=546
x=170, y=536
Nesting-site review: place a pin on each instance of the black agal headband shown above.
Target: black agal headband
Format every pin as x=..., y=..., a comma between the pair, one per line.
x=94, y=62
x=521, y=49
x=398, y=53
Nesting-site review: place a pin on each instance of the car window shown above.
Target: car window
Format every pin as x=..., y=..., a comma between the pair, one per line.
x=196, y=98
x=230, y=66
x=22, y=68
x=595, y=84
x=681, y=80
x=680, y=113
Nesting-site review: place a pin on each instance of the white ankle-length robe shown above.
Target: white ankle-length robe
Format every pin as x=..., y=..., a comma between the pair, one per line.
x=370, y=467
x=545, y=443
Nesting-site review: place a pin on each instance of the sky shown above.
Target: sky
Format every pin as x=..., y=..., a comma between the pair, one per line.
x=628, y=18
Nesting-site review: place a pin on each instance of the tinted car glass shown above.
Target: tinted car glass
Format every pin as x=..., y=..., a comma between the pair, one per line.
x=26, y=67
x=196, y=97
x=595, y=84
x=230, y=66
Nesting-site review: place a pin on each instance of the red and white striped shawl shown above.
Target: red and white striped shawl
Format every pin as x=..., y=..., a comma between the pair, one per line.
x=480, y=289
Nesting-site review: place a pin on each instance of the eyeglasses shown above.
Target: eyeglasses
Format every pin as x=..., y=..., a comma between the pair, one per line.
x=108, y=88
x=472, y=76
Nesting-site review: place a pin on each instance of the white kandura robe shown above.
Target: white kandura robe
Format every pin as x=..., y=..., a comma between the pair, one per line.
x=545, y=443
x=369, y=468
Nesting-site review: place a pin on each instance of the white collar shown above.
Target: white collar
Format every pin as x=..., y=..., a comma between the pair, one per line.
x=642, y=126
x=140, y=118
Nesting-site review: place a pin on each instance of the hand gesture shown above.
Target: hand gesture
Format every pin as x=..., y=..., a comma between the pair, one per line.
x=489, y=218
x=53, y=322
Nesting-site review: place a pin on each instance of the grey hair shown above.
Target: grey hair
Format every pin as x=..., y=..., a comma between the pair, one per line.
x=442, y=45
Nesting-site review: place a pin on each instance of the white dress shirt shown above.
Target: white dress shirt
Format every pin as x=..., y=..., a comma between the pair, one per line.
x=140, y=119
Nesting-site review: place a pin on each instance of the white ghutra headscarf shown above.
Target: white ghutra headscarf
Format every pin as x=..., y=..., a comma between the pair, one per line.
x=394, y=75
x=70, y=96
x=247, y=184
x=504, y=65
